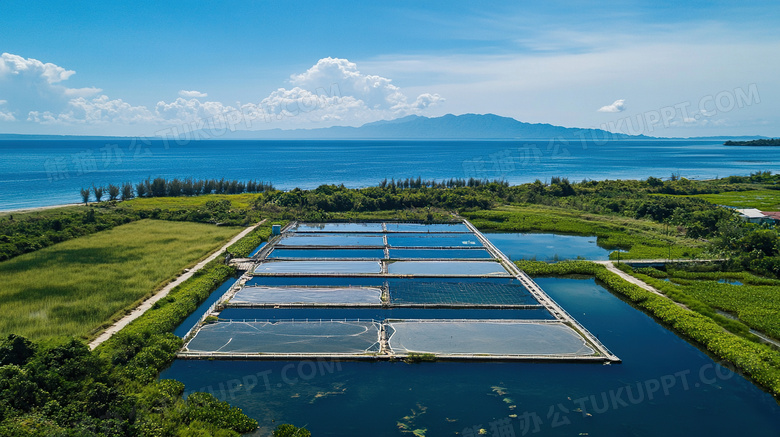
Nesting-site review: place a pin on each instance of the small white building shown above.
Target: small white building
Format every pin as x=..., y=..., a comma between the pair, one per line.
x=752, y=215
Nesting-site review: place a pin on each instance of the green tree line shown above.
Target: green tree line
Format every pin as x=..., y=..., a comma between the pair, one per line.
x=161, y=187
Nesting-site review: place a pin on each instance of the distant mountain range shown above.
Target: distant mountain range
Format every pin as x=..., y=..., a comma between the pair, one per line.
x=466, y=126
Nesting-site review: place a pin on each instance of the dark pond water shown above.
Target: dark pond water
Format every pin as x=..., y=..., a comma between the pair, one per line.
x=664, y=387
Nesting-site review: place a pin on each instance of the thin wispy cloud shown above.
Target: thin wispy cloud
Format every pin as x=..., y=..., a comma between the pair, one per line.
x=616, y=106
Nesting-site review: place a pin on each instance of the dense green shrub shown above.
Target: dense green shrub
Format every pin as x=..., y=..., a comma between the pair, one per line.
x=287, y=430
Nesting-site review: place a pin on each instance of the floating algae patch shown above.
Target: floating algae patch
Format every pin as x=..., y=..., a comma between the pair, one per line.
x=500, y=391
x=337, y=390
x=406, y=424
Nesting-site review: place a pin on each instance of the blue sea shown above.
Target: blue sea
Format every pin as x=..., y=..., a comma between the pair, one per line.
x=51, y=172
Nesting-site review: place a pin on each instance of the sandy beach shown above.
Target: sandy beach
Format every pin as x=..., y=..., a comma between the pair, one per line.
x=39, y=208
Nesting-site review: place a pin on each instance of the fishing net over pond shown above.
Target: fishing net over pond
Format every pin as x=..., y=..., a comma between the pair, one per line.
x=338, y=227
x=464, y=291
x=447, y=268
x=319, y=267
x=307, y=295
x=427, y=227
x=464, y=338
x=433, y=240
x=439, y=254
x=331, y=240
x=327, y=253
x=288, y=337
x=486, y=337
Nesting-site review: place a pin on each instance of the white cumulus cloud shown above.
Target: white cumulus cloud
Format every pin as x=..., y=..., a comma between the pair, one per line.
x=99, y=110
x=5, y=116
x=192, y=94
x=17, y=66
x=379, y=97
x=31, y=85
x=331, y=92
x=616, y=106
x=184, y=110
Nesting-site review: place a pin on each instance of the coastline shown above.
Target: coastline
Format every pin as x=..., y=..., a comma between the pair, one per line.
x=37, y=208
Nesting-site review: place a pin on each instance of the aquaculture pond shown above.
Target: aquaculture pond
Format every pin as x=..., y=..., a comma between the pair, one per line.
x=547, y=247
x=664, y=386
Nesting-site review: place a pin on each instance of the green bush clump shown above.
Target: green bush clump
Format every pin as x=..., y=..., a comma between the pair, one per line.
x=416, y=357
x=205, y=408
x=246, y=245
x=652, y=272
x=62, y=389
x=287, y=430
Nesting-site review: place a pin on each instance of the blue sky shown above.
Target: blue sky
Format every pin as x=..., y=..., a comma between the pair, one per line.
x=137, y=68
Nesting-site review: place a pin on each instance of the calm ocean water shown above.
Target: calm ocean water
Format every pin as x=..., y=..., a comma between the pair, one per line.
x=41, y=173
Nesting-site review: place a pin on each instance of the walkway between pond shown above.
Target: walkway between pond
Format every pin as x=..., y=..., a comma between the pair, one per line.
x=638, y=282
x=145, y=305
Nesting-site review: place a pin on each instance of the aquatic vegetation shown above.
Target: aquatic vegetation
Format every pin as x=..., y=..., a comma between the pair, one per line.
x=406, y=424
x=337, y=390
x=416, y=357
x=500, y=391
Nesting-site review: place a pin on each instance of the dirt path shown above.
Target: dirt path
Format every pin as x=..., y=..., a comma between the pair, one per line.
x=639, y=283
x=145, y=305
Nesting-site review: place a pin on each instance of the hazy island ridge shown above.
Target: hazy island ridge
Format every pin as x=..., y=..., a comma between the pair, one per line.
x=412, y=127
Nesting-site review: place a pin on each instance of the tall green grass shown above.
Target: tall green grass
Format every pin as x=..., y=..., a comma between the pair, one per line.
x=766, y=200
x=78, y=286
x=238, y=201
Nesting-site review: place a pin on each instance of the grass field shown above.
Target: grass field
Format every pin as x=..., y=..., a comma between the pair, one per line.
x=643, y=239
x=765, y=200
x=75, y=287
x=238, y=201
